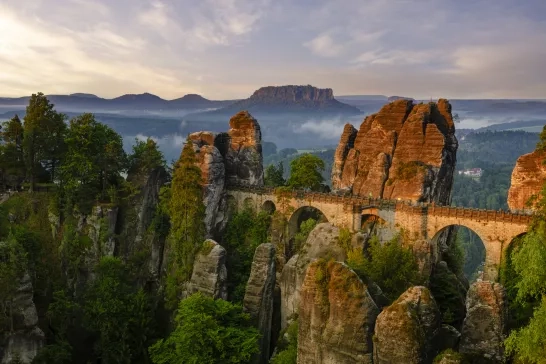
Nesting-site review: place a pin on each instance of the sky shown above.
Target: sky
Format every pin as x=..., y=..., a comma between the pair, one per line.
x=226, y=49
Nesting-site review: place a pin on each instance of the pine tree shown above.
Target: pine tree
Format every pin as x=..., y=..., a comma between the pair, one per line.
x=187, y=214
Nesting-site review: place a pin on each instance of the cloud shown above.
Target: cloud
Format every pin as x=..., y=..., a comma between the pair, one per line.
x=325, y=46
x=228, y=48
x=323, y=129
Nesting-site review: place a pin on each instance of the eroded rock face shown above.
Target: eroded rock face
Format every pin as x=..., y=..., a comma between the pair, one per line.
x=527, y=180
x=345, y=145
x=244, y=161
x=211, y=163
x=321, y=243
x=336, y=316
x=209, y=271
x=404, y=330
x=484, y=326
x=404, y=151
x=259, y=296
x=27, y=338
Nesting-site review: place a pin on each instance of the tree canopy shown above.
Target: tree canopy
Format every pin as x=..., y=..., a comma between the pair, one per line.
x=207, y=331
x=187, y=227
x=305, y=172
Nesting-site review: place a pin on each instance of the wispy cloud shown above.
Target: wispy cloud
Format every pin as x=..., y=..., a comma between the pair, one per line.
x=228, y=48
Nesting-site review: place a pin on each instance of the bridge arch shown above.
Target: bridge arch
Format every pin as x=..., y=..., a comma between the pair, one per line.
x=448, y=240
x=269, y=207
x=302, y=214
x=249, y=203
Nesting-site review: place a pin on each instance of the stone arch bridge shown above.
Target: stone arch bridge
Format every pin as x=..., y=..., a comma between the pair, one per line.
x=497, y=229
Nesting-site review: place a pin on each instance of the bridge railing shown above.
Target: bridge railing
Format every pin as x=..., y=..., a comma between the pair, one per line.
x=359, y=202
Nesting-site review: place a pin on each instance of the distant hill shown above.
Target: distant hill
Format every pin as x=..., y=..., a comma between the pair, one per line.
x=146, y=101
x=362, y=97
x=283, y=100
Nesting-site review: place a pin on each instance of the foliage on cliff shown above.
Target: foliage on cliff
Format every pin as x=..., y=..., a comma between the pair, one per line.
x=390, y=265
x=187, y=213
x=244, y=232
x=207, y=331
x=529, y=264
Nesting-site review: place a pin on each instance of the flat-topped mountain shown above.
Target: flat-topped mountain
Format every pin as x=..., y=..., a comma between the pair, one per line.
x=288, y=99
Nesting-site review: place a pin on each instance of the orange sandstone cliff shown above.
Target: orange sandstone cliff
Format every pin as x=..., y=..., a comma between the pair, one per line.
x=527, y=180
x=405, y=151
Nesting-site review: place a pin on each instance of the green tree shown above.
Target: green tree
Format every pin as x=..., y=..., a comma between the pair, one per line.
x=287, y=346
x=244, y=232
x=93, y=163
x=13, y=266
x=305, y=172
x=145, y=156
x=12, y=161
x=187, y=227
x=390, y=265
x=274, y=175
x=305, y=229
x=207, y=331
x=43, y=136
x=118, y=313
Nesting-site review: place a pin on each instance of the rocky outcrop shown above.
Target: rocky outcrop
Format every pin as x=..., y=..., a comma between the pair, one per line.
x=137, y=215
x=234, y=157
x=244, y=161
x=321, y=243
x=345, y=145
x=26, y=338
x=213, y=170
x=404, y=330
x=209, y=271
x=483, y=330
x=404, y=151
x=527, y=180
x=101, y=228
x=336, y=316
x=258, y=301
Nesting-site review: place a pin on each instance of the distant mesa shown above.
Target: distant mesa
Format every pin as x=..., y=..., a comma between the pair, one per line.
x=394, y=98
x=285, y=100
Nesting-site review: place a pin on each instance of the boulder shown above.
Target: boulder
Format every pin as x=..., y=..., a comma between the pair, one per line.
x=209, y=271
x=405, y=329
x=259, y=296
x=26, y=338
x=527, y=180
x=336, y=316
x=321, y=243
x=244, y=161
x=483, y=331
x=404, y=151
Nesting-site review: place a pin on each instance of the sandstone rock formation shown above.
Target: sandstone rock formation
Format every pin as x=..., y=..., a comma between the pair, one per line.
x=209, y=271
x=483, y=330
x=404, y=330
x=213, y=170
x=27, y=338
x=527, y=180
x=336, y=316
x=404, y=151
x=258, y=301
x=244, y=156
x=234, y=157
x=321, y=243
